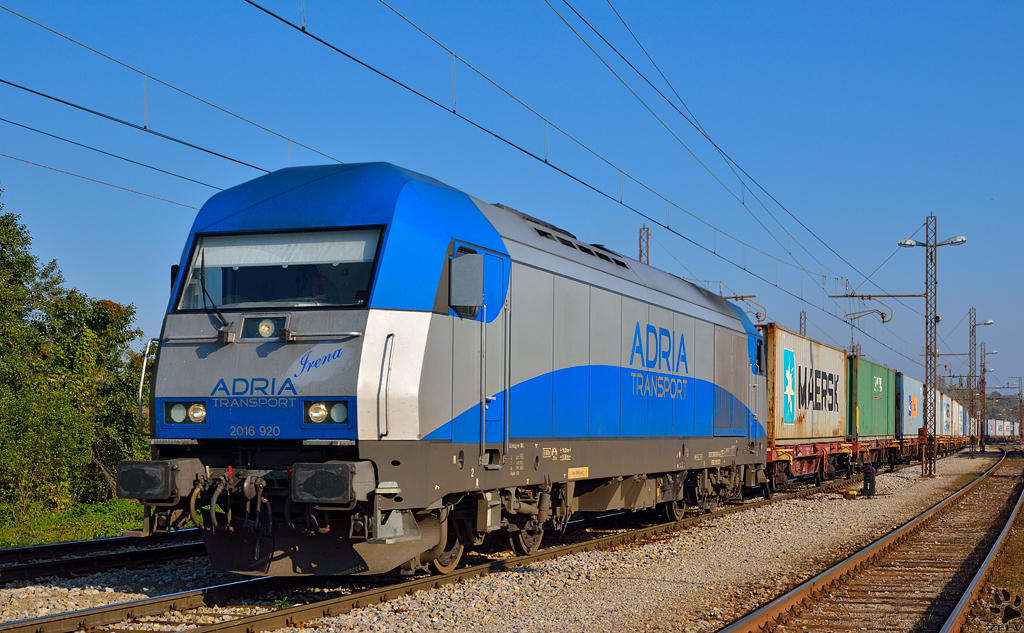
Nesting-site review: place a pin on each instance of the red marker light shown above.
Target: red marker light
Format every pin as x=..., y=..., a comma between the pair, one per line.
x=229, y=471
x=288, y=472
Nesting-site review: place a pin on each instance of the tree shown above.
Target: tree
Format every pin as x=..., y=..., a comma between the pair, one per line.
x=67, y=381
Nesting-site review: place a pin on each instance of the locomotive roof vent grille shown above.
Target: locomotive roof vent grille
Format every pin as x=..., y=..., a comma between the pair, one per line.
x=586, y=250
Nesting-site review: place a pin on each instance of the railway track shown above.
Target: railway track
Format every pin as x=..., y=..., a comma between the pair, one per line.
x=83, y=557
x=206, y=607
x=925, y=576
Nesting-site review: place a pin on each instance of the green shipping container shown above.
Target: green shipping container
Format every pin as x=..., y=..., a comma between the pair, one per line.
x=872, y=393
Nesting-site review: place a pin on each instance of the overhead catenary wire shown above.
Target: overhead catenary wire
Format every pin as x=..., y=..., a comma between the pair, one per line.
x=668, y=128
x=813, y=275
x=693, y=122
x=132, y=125
x=127, y=160
x=180, y=204
x=171, y=86
x=561, y=170
x=622, y=173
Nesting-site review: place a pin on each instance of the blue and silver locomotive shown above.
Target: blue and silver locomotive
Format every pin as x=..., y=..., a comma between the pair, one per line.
x=362, y=369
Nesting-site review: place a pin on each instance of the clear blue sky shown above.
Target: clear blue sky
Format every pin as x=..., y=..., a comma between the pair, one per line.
x=860, y=118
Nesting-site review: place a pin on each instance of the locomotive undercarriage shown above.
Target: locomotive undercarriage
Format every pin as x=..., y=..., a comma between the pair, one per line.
x=252, y=523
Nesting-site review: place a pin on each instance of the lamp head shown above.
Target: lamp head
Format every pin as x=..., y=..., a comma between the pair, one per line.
x=953, y=241
x=987, y=322
x=909, y=243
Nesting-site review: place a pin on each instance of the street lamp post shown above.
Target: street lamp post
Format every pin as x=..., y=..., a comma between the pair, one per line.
x=972, y=411
x=981, y=392
x=931, y=320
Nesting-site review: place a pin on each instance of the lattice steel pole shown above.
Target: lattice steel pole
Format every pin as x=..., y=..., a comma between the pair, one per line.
x=803, y=323
x=931, y=361
x=645, y=245
x=972, y=375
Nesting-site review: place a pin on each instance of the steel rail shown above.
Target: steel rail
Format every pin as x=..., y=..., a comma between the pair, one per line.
x=770, y=614
x=70, y=567
x=88, y=619
x=54, y=550
x=338, y=606
x=956, y=620
x=111, y=614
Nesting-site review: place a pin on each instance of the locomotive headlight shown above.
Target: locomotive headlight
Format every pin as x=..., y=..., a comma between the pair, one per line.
x=197, y=413
x=178, y=412
x=318, y=412
x=339, y=413
x=267, y=328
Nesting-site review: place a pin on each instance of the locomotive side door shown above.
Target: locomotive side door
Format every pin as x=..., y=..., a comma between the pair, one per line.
x=479, y=367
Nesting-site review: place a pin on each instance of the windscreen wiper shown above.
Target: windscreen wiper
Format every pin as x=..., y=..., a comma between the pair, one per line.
x=202, y=283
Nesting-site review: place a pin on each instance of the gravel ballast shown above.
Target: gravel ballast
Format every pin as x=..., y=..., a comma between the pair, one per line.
x=22, y=599
x=695, y=580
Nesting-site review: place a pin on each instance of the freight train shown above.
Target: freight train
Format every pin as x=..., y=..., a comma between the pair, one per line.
x=362, y=369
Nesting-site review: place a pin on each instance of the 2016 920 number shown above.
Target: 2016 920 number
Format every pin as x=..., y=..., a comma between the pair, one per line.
x=254, y=431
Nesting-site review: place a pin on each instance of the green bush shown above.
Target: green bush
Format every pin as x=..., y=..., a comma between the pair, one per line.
x=68, y=381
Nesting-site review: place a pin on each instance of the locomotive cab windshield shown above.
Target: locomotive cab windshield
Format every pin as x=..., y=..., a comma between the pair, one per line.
x=281, y=270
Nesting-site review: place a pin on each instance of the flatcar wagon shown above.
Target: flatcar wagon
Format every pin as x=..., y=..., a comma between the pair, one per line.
x=361, y=368
x=807, y=410
x=872, y=410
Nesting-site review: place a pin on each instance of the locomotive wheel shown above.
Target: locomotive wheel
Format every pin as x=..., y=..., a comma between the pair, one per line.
x=675, y=510
x=449, y=559
x=526, y=541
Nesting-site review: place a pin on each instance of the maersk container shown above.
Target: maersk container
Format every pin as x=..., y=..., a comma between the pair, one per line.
x=872, y=390
x=910, y=393
x=806, y=388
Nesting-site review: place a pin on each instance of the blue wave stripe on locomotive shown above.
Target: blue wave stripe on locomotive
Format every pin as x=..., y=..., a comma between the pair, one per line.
x=587, y=401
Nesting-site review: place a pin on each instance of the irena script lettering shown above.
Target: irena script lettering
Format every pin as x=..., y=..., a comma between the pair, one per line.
x=309, y=365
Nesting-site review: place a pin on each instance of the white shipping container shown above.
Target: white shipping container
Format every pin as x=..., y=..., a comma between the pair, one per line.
x=806, y=388
x=911, y=406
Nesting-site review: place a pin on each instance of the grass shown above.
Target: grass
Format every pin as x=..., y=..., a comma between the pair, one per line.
x=85, y=521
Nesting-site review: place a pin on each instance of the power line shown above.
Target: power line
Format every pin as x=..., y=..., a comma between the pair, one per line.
x=172, y=87
x=662, y=122
x=128, y=160
x=132, y=125
x=672, y=132
x=532, y=111
x=100, y=182
x=674, y=135
x=560, y=170
x=729, y=160
x=693, y=123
